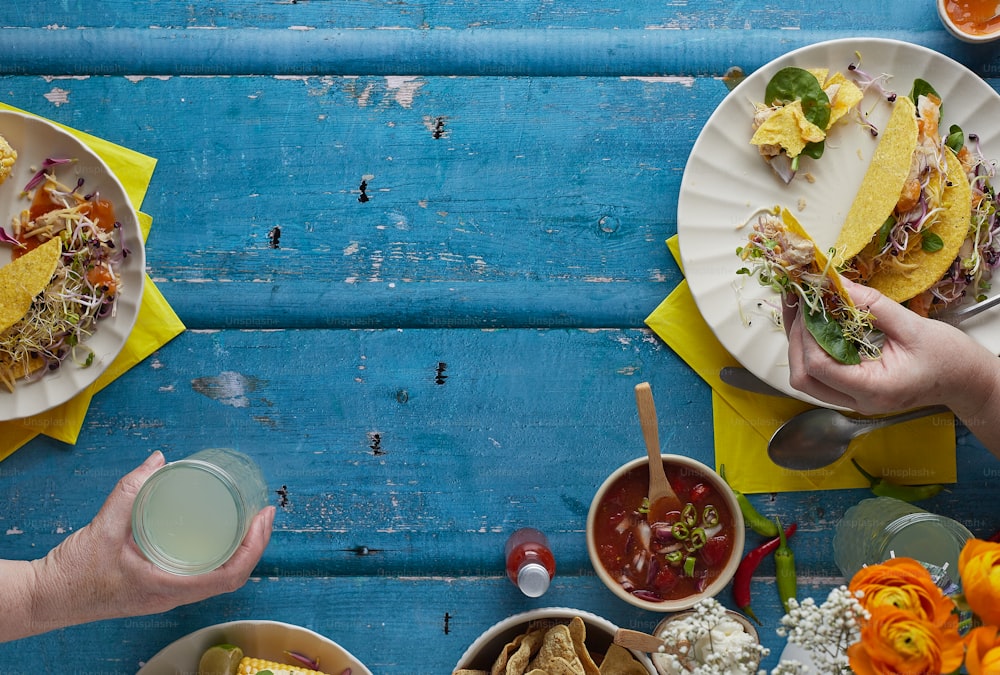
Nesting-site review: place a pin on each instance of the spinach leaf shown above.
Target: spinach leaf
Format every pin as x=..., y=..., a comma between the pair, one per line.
x=830, y=337
x=884, y=230
x=931, y=242
x=922, y=88
x=955, y=138
x=791, y=83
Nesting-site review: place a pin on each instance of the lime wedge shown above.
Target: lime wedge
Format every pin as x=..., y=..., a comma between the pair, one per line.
x=220, y=660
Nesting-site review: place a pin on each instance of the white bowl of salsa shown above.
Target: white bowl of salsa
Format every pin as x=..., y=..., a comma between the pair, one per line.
x=665, y=566
x=973, y=21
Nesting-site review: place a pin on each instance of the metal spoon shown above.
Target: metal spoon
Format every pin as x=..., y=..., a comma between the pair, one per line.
x=819, y=437
x=662, y=498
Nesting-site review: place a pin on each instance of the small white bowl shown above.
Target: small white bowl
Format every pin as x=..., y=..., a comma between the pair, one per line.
x=260, y=639
x=716, y=586
x=952, y=27
x=748, y=628
x=483, y=652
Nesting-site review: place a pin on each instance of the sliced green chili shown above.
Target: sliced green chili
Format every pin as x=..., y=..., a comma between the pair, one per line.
x=689, y=515
x=710, y=516
x=689, y=563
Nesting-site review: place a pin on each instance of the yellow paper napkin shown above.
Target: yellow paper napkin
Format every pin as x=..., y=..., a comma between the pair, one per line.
x=921, y=451
x=155, y=325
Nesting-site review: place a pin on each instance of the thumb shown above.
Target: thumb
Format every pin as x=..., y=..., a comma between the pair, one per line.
x=119, y=503
x=888, y=315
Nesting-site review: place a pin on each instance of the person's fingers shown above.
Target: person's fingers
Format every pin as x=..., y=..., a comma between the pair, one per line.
x=789, y=310
x=118, y=506
x=238, y=568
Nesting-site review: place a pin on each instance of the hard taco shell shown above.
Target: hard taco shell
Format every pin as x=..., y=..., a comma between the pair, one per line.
x=882, y=183
x=924, y=268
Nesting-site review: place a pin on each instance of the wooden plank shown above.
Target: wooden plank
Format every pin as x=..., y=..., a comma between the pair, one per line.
x=524, y=52
x=361, y=613
x=715, y=15
x=412, y=452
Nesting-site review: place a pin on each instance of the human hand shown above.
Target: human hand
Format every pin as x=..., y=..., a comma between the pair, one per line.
x=98, y=572
x=921, y=363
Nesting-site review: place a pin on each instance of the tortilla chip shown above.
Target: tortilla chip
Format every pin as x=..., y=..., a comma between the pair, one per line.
x=846, y=97
x=619, y=661
x=557, y=653
x=788, y=127
x=514, y=657
x=882, y=183
x=952, y=227
x=24, y=278
x=820, y=74
x=467, y=671
x=578, y=633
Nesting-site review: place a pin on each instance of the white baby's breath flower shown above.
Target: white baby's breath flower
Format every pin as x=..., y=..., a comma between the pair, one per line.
x=823, y=631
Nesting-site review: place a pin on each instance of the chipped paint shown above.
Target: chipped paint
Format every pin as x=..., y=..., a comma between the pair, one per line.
x=686, y=81
x=228, y=387
x=352, y=248
x=57, y=96
x=15, y=530
x=139, y=78
x=405, y=88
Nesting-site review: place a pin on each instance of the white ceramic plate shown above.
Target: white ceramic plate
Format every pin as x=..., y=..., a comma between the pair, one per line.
x=34, y=140
x=725, y=181
x=482, y=653
x=260, y=639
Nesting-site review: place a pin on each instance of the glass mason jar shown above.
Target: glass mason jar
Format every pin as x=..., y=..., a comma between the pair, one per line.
x=191, y=515
x=880, y=528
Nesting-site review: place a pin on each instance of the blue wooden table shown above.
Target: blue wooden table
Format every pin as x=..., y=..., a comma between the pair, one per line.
x=472, y=201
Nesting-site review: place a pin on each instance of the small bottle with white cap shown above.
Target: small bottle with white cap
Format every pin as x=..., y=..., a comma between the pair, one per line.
x=530, y=563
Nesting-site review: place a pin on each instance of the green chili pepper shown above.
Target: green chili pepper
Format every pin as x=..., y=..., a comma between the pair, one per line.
x=907, y=493
x=698, y=538
x=710, y=516
x=680, y=531
x=689, y=515
x=758, y=523
x=675, y=557
x=689, y=565
x=784, y=569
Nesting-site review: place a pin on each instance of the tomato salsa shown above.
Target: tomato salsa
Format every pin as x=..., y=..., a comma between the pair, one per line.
x=667, y=560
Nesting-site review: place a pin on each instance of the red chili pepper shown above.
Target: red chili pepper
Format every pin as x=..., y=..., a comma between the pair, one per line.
x=749, y=564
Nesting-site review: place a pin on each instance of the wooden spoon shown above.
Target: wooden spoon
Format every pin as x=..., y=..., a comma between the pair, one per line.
x=646, y=643
x=662, y=498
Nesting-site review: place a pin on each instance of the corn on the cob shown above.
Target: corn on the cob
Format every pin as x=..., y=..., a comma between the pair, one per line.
x=252, y=666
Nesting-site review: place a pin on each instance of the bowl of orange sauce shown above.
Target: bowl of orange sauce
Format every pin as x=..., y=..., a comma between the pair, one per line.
x=971, y=20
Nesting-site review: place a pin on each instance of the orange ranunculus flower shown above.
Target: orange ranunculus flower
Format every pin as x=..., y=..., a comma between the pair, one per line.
x=982, y=655
x=898, y=642
x=905, y=584
x=979, y=567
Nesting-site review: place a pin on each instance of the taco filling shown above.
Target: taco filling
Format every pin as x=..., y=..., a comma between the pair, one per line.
x=780, y=254
x=69, y=246
x=923, y=227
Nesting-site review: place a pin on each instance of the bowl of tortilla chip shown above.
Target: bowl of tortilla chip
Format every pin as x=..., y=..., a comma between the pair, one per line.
x=553, y=640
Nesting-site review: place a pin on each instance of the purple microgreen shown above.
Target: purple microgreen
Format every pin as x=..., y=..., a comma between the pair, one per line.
x=7, y=239
x=304, y=660
x=40, y=175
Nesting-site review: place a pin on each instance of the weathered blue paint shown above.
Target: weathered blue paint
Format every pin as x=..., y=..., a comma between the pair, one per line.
x=424, y=370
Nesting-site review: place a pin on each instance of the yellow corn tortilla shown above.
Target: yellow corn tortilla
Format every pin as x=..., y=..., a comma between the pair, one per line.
x=882, y=183
x=952, y=227
x=24, y=278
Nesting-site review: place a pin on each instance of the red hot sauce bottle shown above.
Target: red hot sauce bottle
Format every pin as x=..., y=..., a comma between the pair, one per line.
x=530, y=563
